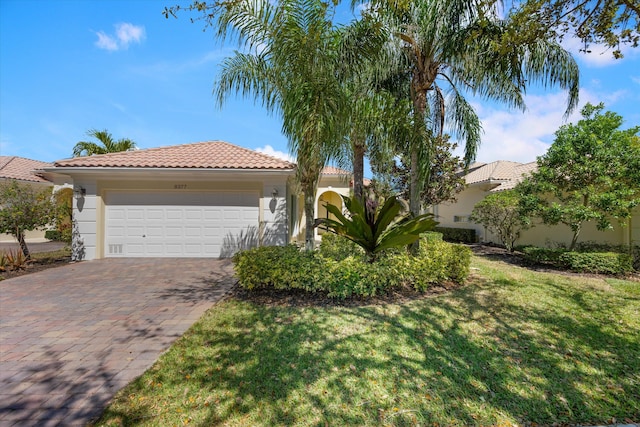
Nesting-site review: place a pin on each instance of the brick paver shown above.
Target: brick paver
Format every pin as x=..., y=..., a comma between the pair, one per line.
x=70, y=337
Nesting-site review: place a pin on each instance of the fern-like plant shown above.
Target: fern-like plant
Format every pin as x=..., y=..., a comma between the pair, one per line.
x=374, y=227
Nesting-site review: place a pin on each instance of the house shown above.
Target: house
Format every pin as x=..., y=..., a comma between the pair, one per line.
x=13, y=168
x=483, y=179
x=205, y=199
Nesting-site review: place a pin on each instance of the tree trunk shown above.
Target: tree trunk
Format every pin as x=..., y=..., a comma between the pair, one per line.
x=23, y=245
x=359, y=150
x=574, y=240
x=309, y=210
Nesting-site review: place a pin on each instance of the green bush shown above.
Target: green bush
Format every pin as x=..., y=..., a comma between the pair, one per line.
x=584, y=262
x=52, y=235
x=458, y=235
x=537, y=255
x=279, y=267
x=431, y=236
x=286, y=267
x=634, y=250
x=597, y=262
x=337, y=247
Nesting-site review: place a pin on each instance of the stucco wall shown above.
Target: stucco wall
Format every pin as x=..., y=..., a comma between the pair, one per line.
x=540, y=235
x=89, y=211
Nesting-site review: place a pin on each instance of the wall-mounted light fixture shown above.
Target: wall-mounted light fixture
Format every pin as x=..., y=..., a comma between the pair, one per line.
x=80, y=192
x=274, y=194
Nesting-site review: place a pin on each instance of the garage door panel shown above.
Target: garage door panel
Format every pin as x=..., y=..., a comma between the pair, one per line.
x=178, y=224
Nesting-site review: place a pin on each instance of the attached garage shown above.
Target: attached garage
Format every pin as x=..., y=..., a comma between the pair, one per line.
x=207, y=199
x=178, y=224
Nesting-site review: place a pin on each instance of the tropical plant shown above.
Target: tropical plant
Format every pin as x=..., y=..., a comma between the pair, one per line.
x=295, y=63
x=24, y=209
x=500, y=213
x=441, y=50
x=590, y=173
x=105, y=145
x=374, y=227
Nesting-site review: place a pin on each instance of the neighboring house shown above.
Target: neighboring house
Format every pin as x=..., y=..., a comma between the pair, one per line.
x=13, y=168
x=205, y=199
x=483, y=179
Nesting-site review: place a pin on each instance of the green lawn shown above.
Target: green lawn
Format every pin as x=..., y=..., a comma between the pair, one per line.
x=511, y=347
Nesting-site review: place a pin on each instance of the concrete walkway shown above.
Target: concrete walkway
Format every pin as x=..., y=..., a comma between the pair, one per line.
x=71, y=337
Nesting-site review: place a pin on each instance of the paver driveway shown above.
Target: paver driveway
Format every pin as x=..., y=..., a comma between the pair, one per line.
x=70, y=337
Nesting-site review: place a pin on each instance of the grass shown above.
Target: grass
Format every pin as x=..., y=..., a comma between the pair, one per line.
x=512, y=347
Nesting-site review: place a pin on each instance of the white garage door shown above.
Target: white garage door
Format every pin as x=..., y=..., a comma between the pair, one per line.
x=180, y=224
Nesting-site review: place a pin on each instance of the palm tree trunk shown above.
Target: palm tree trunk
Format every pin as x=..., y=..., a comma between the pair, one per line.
x=309, y=213
x=359, y=150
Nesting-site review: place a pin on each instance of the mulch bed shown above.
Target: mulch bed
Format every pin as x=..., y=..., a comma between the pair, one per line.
x=35, y=266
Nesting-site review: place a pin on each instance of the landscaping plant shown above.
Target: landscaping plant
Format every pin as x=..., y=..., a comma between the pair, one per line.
x=501, y=214
x=23, y=209
x=376, y=228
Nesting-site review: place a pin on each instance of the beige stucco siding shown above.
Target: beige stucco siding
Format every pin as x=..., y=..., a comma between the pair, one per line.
x=89, y=211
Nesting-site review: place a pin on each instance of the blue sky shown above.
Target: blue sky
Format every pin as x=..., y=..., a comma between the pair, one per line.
x=70, y=66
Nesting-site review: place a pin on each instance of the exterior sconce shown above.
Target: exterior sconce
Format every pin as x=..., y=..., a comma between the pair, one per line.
x=274, y=194
x=80, y=192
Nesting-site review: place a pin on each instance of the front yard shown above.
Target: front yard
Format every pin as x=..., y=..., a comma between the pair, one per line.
x=513, y=346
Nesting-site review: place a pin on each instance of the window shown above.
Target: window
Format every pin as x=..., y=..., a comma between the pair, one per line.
x=461, y=218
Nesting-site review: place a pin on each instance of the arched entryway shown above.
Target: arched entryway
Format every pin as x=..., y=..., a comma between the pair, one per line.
x=328, y=197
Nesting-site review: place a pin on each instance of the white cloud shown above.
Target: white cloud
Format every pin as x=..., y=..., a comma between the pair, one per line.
x=598, y=56
x=106, y=42
x=267, y=149
x=635, y=79
x=521, y=137
x=125, y=34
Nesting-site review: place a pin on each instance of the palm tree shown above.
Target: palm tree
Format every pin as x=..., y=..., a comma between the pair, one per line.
x=106, y=145
x=442, y=49
x=294, y=62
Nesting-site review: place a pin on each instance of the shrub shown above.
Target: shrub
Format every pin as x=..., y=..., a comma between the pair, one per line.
x=634, y=250
x=597, y=262
x=337, y=247
x=537, y=255
x=584, y=262
x=52, y=235
x=458, y=235
x=13, y=260
x=286, y=267
x=279, y=267
x=431, y=236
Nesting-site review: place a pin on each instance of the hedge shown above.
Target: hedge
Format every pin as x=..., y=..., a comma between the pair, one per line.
x=287, y=267
x=585, y=262
x=458, y=235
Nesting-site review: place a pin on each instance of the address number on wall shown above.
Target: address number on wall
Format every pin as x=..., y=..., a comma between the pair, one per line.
x=179, y=186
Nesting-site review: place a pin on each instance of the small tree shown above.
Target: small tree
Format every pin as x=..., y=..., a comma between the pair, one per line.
x=500, y=213
x=24, y=209
x=590, y=173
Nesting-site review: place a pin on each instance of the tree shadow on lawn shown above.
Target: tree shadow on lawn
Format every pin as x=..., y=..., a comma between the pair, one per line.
x=472, y=357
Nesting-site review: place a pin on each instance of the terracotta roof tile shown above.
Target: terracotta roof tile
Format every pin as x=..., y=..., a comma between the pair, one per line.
x=332, y=170
x=13, y=167
x=519, y=173
x=501, y=170
x=200, y=155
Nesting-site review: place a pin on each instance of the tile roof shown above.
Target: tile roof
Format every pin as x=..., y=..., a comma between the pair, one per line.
x=519, y=172
x=332, y=170
x=501, y=170
x=13, y=167
x=506, y=174
x=199, y=155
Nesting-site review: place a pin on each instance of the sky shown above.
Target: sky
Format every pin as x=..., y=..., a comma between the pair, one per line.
x=69, y=66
